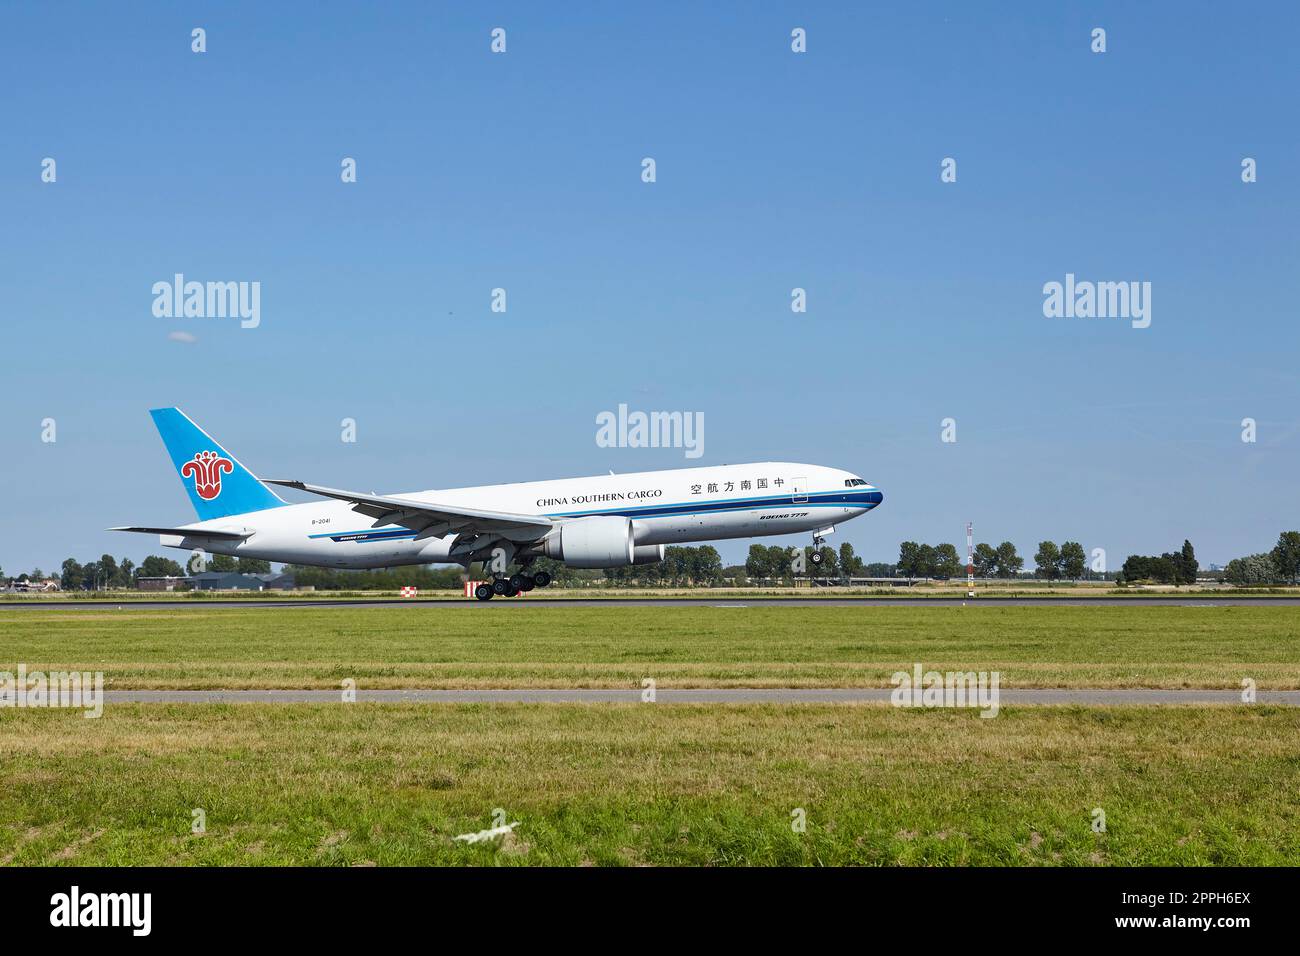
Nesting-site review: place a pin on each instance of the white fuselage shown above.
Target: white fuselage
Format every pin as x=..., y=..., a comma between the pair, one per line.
x=666, y=507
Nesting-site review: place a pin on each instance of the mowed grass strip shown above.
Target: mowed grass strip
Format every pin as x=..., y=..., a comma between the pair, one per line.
x=677, y=646
x=650, y=784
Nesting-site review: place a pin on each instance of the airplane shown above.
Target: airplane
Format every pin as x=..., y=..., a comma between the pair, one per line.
x=604, y=521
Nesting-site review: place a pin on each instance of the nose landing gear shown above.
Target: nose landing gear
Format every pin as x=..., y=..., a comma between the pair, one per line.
x=819, y=542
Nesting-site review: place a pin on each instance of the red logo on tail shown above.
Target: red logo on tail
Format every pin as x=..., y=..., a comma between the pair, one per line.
x=206, y=469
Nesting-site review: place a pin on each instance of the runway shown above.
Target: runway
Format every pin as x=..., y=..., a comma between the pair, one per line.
x=704, y=695
x=710, y=601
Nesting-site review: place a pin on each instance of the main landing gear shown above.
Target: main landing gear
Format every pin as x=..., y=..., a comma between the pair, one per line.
x=511, y=586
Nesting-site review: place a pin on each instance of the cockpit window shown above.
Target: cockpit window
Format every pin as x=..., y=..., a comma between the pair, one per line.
x=853, y=482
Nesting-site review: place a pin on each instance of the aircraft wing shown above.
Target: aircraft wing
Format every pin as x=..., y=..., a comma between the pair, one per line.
x=192, y=533
x=432, y=520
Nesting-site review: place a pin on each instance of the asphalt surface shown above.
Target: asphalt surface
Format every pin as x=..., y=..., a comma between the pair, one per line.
x=727, y=695
x=712, y=601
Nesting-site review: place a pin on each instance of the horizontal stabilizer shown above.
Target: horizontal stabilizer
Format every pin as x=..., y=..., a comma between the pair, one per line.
x=192, y=533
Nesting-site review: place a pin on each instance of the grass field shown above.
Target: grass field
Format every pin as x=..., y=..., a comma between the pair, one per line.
x=677, y=646
x=341, y=784
x=650, y=784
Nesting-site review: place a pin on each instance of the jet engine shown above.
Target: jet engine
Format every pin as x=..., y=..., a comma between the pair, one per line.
x=647, y=554
x=597, y=542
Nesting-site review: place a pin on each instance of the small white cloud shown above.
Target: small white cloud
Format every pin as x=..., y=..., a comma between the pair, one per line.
x=182, y=337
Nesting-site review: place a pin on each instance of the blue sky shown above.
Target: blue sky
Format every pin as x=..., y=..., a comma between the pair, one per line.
x=775, y=170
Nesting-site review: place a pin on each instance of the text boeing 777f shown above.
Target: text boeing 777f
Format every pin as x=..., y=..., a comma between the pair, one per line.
x=604, y=521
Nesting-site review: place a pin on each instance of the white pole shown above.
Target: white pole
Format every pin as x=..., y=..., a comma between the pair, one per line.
x=970, y=560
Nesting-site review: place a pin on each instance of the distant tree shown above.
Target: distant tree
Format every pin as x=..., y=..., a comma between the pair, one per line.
x=253, y=566
x=946, y=562
x=561, y=574
x=1286, y=556
x=880, y=569
x=1253, y=569
x=109, y=573
x=705, y=564
x=1161, y=570
x=223, y=562
x=1010, y=563
x=909, y=560
x=38, y=574
x=986, y=560
x=850, y=563
x=1048, y=561
x=157, y=567
x=675, y=567
x=1187, y=566
x=621, y=576
x=1134, y=569
x=122, y=573
x=927, y=561
x=756, y=564
x=647, y=575
x=1073, y=560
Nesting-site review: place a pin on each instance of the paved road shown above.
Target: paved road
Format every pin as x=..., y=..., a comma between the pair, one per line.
x=728, y=695
x=712, y=601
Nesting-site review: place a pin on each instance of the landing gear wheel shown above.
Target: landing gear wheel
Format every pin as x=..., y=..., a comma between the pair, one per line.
x=484, y=592
x=511, y=590
x=541, y=579
x=501, y=586
x=817, y=556
x=522, y=582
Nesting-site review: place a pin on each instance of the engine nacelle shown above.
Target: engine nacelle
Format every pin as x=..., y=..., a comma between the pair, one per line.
x=596, y=542
x=647, y=554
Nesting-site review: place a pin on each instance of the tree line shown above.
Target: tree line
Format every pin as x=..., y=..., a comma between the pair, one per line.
x=1279, y=566
x=1178, y=567
x=109, y=573
x=917, y=560
x=778, y=563
x=702, y=565
x=1068, y=561
x=681, y=567
x=386, y=579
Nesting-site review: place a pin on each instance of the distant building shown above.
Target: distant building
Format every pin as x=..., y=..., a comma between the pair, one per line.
x=278, y=582
x=164, y=583
x=226, y=581
x=219, y=581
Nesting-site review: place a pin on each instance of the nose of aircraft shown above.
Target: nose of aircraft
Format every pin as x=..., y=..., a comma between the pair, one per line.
x=876, y=496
